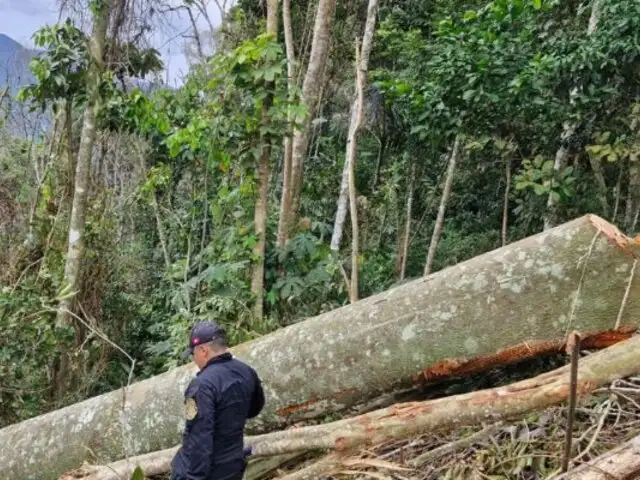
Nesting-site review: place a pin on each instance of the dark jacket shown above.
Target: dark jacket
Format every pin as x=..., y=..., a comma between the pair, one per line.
x=224, y=394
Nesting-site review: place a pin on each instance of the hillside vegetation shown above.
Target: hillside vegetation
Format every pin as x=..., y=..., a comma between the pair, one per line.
x=326, y=152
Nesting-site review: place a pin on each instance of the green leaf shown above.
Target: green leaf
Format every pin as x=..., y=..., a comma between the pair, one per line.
x=537, y=4
x=539, y=189
x=137, y=474
x=469, y=15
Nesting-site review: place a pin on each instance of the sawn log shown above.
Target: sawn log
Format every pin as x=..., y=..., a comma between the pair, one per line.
x=571, y=277
x=415, y=418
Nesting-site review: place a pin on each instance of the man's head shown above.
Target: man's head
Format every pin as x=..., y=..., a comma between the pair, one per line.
x=207, y=340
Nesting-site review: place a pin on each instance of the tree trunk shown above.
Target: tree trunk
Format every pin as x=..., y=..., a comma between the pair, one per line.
x=633, y=196
x=310, y=91
x=525, y=291
x=415, y=418
x=285, y=202
x=63, y=374
x=505, y=207
x=623, y=462
x=343, y=195
x=357, y=111
x=562, y=154
x=403, y=251
x=617, y=192
x=260, y=221
x=350, y=160
x=596, y=166
x=261, y=212
x=446, y=191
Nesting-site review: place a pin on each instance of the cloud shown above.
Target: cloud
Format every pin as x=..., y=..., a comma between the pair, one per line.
x=20, y=19
x=31, y=8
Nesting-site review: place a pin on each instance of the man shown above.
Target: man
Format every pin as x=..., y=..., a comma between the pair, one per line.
x=218, y=402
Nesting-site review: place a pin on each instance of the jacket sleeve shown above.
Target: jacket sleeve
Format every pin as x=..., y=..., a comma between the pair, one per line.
x=257, y=399
x=198, y=443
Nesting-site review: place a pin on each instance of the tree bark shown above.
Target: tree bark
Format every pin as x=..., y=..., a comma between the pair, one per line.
x=617, y=192
x=404, y=245
x=415, y=418
x=524, y=291
x=285, y=202
x=63, y=374
x=505, y=207
x=261, y=212
x=596, y=166
x=633, y=196
x=562, y=154
x=622, y=462
x=350, y=160
x=343, y=195
x=357, y=111
x=310, y=91
x=446, y=192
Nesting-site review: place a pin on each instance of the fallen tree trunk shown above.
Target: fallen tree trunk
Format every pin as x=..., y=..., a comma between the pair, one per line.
x=415, y=418
x=571, y=277
x=620, y=463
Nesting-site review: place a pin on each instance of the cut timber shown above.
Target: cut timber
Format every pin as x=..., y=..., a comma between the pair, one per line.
x=523, y=292
x=620, y=463
x=415, y=418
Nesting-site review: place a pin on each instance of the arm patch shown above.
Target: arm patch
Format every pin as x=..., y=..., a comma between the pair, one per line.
x=190, y=404
x=190, y=408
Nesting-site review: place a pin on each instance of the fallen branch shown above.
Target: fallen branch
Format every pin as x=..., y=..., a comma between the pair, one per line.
x=413, y=418
x=620, y=463
x=334, y=464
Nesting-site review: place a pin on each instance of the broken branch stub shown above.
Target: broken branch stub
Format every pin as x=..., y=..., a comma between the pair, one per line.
x=571, y=277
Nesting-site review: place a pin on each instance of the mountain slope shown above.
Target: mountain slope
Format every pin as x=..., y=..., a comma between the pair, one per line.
x=14, y=64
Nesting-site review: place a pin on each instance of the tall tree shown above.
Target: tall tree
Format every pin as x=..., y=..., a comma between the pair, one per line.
x=357, y=117
x=285, y=202
x=446, y=192
x=403, y=247
x=261, y=213
x=311, y=88
x=101, y=11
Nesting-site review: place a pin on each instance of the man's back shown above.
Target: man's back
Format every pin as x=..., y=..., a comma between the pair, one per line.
x=225, y=393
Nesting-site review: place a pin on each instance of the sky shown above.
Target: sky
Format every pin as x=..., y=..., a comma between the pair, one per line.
x=19, y=19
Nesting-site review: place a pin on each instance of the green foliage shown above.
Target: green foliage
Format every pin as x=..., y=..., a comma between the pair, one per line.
x=170, y=231
x=61, y=70
x=540, y=175
x=28, y=337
